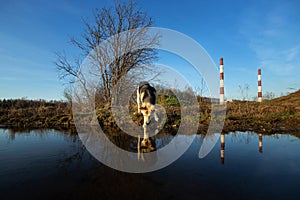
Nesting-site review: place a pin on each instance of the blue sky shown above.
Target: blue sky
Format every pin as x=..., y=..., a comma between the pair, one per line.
x=248, y=35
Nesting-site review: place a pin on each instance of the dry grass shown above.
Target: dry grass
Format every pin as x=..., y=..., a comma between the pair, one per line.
x=292, y=100
x=271, y=115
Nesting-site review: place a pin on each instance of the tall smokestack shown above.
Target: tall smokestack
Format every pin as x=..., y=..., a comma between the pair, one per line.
x=221, y=81
x=259, y=99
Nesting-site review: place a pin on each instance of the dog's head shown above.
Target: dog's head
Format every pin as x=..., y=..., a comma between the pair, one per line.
x=148, y=111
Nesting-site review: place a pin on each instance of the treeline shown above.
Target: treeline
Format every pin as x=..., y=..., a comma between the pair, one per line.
x=39, y=113
x=24, y=103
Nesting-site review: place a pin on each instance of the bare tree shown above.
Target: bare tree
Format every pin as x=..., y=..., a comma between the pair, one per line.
x=201, y=89
x=121, y=44
x=244, y=91
x=269, y=95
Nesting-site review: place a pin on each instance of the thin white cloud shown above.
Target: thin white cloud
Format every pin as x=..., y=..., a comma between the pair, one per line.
x=279, y=61
x=292, y=53
x=273, y=37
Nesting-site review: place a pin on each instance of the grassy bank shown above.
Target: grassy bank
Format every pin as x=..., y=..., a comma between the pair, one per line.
x=35, y=113
x=267, y=116
x=281, y=114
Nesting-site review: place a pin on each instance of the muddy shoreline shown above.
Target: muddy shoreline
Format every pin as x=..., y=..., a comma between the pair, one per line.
x=237, y=125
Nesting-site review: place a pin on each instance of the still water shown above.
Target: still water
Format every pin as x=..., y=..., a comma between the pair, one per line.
x=51, y=164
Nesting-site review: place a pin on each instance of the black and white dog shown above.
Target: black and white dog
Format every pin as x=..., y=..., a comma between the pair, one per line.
x=146, y=99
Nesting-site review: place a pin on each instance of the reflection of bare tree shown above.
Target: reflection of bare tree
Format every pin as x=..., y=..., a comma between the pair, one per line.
x=120, y=150
x=41, y=133
x=78, y=154
x=242, y=137
x=77, y=157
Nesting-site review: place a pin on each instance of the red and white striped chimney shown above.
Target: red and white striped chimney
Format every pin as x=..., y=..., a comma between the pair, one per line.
x=221, y=81
x=259, y=99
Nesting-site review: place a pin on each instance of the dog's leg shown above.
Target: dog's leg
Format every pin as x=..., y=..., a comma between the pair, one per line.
x=146, y=135
x=145, y=122
x=139, y=147
x=138, y=99
x=155, y=116
x=140, y=151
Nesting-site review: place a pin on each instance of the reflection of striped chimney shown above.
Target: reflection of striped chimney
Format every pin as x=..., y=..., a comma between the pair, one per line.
x=221, y=81
x=222, y=148
x=260, y=142
x=259, y=86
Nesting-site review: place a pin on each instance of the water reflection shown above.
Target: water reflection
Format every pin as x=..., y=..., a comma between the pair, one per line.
x=247, y=140
x=222, y=140
x=147, y=144
x=260, y=144
x=49, y=164
x=41, y=133
x=122, y=151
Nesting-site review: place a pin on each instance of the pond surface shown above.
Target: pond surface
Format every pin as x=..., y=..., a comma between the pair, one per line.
x=51, y=164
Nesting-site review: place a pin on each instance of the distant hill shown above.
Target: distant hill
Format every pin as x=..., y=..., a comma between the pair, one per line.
x=292, y=99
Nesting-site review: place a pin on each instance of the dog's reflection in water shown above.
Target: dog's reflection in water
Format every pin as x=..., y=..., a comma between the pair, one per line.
x=147, y=145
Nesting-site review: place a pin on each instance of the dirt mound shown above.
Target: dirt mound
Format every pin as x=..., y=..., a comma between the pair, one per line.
x=292, y=99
